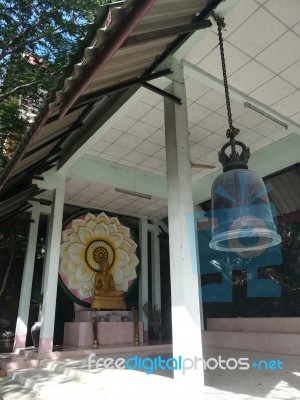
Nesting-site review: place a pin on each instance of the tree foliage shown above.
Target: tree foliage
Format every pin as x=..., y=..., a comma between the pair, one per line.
x=11, y=246
x=12, y=127
x=36, y=38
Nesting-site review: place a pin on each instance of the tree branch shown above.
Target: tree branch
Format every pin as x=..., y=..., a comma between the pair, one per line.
x=22, y=44
x=4, y=48
x=29, y=41
x=26, y=85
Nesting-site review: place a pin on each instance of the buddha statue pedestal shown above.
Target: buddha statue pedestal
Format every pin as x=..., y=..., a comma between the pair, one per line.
x=113, y=327
x=88, y=330
x=86, y=314
x=80, y=334
x=108, y=303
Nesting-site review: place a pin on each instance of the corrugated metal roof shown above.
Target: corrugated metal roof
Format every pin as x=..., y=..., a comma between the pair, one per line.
x=151, y=31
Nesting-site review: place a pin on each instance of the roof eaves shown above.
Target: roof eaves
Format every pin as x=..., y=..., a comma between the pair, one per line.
x=108, y=42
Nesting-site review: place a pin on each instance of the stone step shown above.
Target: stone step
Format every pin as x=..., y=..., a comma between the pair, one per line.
x=61, y=379
x=12, y=390
x=26, y=352
x=268, y=342
x=28, y=358
x=71, y=379
x=48, y=384
x=18, y=360
x=274, y=324
x=78, y=368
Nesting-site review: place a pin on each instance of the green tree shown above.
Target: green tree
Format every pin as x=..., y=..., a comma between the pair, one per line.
x=36, y=38
x=12, y=127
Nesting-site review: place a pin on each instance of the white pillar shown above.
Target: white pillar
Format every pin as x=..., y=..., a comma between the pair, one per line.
x=25, y=295
x=193, y=222
x=186, y=327
x=47, y=247
x=143, y=283
x=155, y=266
x=51, y=267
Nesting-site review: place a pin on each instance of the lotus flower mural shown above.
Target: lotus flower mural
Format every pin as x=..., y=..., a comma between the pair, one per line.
x=89, y=239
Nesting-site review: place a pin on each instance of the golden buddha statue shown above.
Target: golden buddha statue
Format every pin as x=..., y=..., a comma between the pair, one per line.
x=106, y=297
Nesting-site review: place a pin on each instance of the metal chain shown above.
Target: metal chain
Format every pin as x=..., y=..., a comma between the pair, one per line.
x=232, y=132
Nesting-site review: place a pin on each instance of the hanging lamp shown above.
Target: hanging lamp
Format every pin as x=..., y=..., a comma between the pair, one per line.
x=242, y=220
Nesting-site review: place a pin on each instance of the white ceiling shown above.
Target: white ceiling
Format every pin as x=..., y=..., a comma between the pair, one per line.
x=262, y=50
x=104, y=197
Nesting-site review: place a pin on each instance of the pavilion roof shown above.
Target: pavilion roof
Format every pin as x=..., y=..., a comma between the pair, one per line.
x=122, y=49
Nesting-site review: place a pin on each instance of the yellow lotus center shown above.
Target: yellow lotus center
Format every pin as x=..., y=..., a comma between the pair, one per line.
x=99, y=250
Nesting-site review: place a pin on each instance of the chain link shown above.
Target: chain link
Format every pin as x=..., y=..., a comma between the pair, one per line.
x=231, y=132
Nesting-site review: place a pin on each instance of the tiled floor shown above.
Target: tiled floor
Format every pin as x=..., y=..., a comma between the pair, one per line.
x=59, y=378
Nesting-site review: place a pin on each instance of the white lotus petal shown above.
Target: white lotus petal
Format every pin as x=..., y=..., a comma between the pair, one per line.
x=89, y=294
x=123, y=286
x=102, y=218
x=126, y=246
x=72, y=266
x=77, y=223
x=65, y=235
x=82, y=275
x=84, y=294
x=88, y=285
x=133, y=260
x=126, y=270
x=116, y=239
x=85, y=235
x=133, y=246
x=89, y=217
x=117, y=274
x=124, y=231
x=112, y=228
x=122, y=258
x=91, y=224
x=115, y=221
x=63, y=249
x=63, y=267
x=76, y=252
x=101, y=231
x=64, y=246
x=73, y=283
x=73, y=238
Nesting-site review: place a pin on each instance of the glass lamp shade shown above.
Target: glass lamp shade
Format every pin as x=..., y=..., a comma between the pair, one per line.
x=242, y=219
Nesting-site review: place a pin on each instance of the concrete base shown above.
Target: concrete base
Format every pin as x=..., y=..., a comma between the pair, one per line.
x=81, y=333
x=20, y=341
x=87, y=315
x=278, y=325
x=46, y=345
x=272, y=335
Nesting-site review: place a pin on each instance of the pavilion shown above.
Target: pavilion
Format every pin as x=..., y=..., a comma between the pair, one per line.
x=141, y=108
